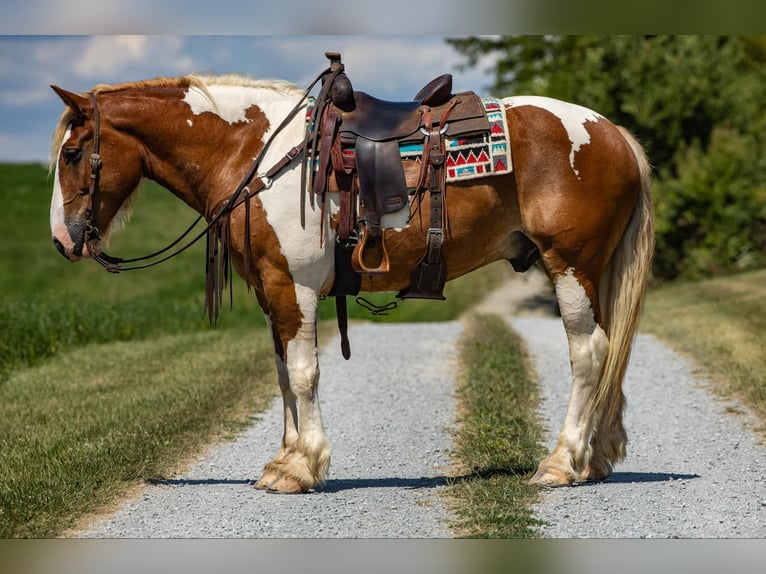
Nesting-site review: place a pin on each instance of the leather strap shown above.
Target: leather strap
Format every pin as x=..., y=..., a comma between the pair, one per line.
x=341, y=311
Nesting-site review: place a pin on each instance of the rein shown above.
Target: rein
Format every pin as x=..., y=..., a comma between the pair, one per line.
x=218, y=267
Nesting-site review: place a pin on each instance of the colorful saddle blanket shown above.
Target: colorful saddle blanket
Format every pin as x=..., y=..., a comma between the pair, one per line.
x=478, y=156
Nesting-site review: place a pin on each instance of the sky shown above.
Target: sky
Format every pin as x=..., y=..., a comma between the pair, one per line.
x=389, y=67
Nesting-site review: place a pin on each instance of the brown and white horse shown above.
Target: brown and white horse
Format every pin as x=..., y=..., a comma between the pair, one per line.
x=577, y=203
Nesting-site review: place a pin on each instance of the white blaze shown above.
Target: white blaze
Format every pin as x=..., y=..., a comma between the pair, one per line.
x=572, y=117
x=57, y=201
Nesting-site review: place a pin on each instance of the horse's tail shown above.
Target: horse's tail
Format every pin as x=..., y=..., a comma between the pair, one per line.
x=622, y=289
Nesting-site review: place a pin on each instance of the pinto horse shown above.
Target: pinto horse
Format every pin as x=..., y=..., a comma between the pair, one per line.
x=577, y=204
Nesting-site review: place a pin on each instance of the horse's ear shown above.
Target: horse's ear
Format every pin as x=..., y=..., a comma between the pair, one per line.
x=77, y=103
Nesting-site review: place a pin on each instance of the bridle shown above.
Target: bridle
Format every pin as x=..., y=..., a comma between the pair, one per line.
x=91, y=232
x=251, y=185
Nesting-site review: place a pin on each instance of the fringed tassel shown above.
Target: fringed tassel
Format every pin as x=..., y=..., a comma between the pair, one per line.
x=218, y=269
x=247, y=252
x=211, y=255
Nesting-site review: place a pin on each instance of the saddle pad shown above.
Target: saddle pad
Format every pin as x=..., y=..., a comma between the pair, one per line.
x=467, y=157
x=476, y=156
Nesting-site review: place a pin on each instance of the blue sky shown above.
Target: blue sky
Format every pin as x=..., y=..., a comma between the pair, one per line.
x=390, y=67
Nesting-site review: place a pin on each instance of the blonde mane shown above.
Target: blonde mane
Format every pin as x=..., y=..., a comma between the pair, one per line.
x=199, y=82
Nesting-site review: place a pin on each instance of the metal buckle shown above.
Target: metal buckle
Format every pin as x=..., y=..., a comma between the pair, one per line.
x=442, y=130
x=293, y=153
x=435, y=232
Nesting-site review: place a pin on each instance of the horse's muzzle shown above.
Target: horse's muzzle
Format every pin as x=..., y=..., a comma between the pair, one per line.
x=72, y=250
x=60, y=247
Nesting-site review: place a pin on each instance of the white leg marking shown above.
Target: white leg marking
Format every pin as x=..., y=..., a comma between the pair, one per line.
x=588, y=346
x=303, y=368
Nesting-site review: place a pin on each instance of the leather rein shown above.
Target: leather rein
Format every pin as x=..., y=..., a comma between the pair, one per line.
x=242, y=194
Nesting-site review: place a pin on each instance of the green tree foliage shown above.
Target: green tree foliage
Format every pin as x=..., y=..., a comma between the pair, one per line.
x=697, y=103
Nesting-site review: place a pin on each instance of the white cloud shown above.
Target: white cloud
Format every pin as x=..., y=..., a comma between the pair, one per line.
x=23, y=97
x=110, y=55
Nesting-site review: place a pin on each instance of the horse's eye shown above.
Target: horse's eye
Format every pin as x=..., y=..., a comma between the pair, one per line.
x=72, y=154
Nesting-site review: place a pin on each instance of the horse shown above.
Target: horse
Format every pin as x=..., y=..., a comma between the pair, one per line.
x=577, y=204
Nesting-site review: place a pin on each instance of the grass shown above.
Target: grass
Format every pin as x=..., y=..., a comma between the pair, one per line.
x=78, y=430
x=498, y=443
x=722, y=324
x=48, y=306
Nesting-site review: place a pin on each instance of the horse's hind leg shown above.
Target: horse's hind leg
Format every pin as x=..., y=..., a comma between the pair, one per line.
x=588, y=346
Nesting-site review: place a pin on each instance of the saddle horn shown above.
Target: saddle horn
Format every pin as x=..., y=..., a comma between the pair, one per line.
x=341, y=90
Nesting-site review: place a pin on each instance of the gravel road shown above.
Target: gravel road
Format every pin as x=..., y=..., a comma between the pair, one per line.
x=694, y=468
x=387, y=414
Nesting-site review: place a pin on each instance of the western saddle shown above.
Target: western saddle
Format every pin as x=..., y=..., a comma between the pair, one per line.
x=354, y=141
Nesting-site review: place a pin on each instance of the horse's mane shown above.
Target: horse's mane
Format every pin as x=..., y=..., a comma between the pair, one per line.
x=199, y=82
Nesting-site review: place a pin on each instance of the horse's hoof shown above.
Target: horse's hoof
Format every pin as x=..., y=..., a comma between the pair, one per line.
x=286, y=485
x=552, y=478
x=594, y=474
x=282, y=484
x=265, y=481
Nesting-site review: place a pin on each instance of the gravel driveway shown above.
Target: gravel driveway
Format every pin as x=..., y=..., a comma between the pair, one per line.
x=387, y=414
x=693, y=470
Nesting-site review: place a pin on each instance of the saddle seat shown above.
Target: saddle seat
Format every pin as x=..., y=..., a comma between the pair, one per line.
x=380, y=120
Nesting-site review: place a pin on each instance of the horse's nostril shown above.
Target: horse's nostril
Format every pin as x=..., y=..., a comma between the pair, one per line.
x=59, y=247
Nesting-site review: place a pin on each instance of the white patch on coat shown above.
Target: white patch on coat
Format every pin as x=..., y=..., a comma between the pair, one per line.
x=310, y=263
x=572, y=117
x=229, y=102
x=575, y=305
x=191, y=123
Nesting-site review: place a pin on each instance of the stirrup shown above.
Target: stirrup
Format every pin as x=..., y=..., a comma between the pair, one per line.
x=357, y=258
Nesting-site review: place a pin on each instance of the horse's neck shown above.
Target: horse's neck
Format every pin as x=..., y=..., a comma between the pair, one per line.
x=200, y=152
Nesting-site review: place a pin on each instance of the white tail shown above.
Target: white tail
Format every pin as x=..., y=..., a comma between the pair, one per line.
x=622, y=289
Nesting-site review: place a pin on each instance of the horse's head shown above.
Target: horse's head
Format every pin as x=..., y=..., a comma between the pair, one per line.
x=97, y=168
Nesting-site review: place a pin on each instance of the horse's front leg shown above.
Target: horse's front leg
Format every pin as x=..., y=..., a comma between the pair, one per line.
x=304, y=456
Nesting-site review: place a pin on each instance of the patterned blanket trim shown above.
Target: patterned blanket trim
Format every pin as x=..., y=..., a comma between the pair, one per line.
x=475, y=157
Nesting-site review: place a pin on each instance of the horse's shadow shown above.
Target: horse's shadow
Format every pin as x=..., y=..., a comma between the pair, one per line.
x=341, y=484
x=334, y=485
x=330, y=486
x=162, y=481
x=628, y=477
